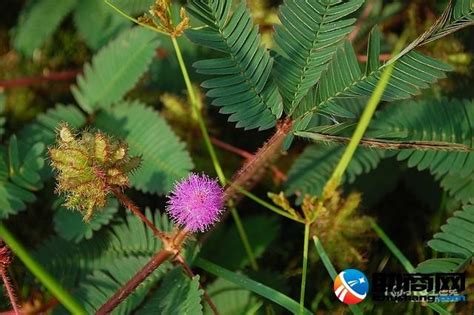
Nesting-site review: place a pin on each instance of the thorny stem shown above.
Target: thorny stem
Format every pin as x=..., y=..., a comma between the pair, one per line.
x=305, y=266
x=254, y=168
x=133, y=283
x=190, y=273
x=10, y=292
x=128, y=203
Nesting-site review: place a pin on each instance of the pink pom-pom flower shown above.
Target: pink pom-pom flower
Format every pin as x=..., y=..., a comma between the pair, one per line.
x=196, y=202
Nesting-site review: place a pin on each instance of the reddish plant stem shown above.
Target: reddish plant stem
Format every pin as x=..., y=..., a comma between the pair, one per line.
x=52, y=76
x=246, y=177
x=190, y=274
x=126, y=202
x=162, y=256
x=253, y=170
x=382, y=57
x=9, y=289
x=360, y=21
x=279, y=175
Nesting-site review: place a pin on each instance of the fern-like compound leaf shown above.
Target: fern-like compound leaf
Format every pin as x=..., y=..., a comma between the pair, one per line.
x=165, y=159
x=313, y=168
x=39, y=21
x=344, y=78
x=71, y=262
x=98, y=28
x=20, y=166
x=309, y=35
x=443, y=121
x=242, y=84
x=456, y=240
x=115, y=69
x=177, y=295
x=71, y=226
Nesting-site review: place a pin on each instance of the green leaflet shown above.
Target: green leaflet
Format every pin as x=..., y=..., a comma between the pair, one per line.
x=445, y=121
x=98, y=28
x=43, y=129
x=311, y=170
x=71, y=226
x=456, y=240
x=177, y=294
x=19, y=175
x=344, y=78
x=115, y=69
x=71, y=262
x=100, y=285
x=230, y=299
x=309, y=35
x=242, y=84
x=39, y=21
x=165, y=159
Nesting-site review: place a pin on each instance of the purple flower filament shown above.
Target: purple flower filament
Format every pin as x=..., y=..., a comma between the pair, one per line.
x=196, y=202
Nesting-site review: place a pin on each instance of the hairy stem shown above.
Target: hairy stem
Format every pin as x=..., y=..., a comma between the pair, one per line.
x=305, y=266
x=254, y=168
x=133, y=283
x=128, y=203
x=40, y=273
x=9, y=289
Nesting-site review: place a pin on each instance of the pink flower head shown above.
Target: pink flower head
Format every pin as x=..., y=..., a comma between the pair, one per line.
x=196, y=202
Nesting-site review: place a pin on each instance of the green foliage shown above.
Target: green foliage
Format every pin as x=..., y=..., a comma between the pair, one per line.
x=242, y=85
x=177, y=295
x=456, y=241
x=100, y=285
x=311, y=170
x=39, y=22
x=19, y=175
x=230, y=299
x=133, y=6
x=459, y=186
x=443, y=122
x=164, y=157
x=251, y=285
x=97, y=28
x=412, y=72
x=71, y=226
x=308, y=37
x=261, y=231
x=71, y=262
x=115, y=69
x=43, y=129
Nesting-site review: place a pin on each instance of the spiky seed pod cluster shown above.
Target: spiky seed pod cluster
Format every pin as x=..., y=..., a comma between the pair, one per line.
x=88, y=167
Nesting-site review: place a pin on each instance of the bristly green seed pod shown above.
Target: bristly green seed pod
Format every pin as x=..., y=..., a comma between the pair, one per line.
x=88, y=167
